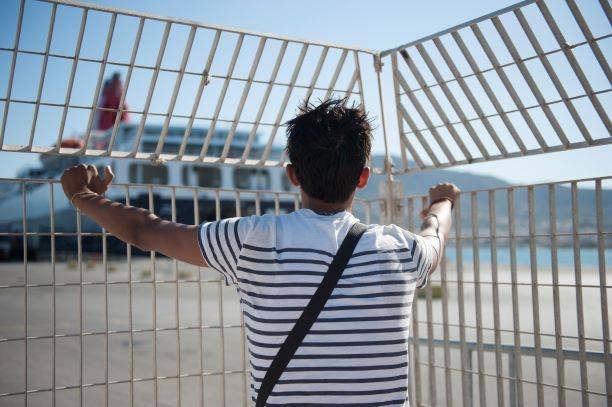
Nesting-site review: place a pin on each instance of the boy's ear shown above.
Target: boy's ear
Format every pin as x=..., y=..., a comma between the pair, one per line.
x=363, y=178
x=290, y=170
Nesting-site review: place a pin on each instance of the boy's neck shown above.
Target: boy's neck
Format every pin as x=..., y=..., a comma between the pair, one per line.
x=325, y=208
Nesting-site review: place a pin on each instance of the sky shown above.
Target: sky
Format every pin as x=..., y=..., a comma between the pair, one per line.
x=378, y=26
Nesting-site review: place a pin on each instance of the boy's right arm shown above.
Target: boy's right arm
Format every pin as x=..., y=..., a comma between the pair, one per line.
x=135, y=226
x=437, y=219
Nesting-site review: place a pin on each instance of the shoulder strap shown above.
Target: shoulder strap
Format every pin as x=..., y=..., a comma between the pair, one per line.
x=310, y=313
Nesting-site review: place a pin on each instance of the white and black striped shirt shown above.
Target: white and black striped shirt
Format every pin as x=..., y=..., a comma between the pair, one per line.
x=356, y=353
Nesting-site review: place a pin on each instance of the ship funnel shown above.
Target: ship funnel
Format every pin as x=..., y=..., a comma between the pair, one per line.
x=109, y=103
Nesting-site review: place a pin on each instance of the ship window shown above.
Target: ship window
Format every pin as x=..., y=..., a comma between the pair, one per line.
x=251, y=178
x=185, y=175
x=209, y=177
x=133, y=173
x=148, y=174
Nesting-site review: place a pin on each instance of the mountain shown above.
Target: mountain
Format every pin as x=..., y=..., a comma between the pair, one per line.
x=418, y=183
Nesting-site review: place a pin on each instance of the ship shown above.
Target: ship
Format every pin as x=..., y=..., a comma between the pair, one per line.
x=198, y=191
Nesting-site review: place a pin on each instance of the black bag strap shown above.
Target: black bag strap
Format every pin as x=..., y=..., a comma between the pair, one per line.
x=311, y=312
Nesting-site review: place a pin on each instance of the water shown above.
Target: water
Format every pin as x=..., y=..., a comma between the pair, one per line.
x=565, y=255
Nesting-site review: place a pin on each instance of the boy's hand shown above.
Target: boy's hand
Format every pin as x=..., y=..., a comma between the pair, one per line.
x=440, y=192
x=443, y=191
x=81, y=178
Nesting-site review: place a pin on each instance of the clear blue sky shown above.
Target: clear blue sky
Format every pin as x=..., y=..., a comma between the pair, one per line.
x=376, y=25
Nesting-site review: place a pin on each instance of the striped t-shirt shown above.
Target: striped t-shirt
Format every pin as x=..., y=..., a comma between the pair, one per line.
x=356, y=353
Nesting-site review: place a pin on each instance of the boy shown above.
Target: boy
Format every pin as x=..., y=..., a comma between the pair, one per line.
x=356, y=353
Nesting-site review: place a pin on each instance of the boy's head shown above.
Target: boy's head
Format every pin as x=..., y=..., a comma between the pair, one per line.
x=329, y=146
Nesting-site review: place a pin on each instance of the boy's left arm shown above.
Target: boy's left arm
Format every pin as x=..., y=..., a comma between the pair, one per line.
x=136, y=226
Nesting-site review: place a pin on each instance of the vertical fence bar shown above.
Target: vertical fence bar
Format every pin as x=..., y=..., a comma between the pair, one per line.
x=489, y=92
x=588, y=36
x=448, y=383
x=431, y=362
x=198, y=97
x=154, y=304
x=421, y=111
x=432, y=99
x=584, y=381
x=495, y=287
x=245, y=93
x=279, y=116
x=9, y=88
x=413, y=127
x=106, y=332
x=465, y=390
x=533, y=262
x=245, y=386
x=264, y=101
x=351, y=85
x=359, y=78
x=128, y=252
x=220, y=307
x=516, y=381
x=603, y=287
x=152, y=85
x=75, y=62
x=175, y=91
x=200, y=353
x=80, y=309
x=334, y=79
x=41, y=80
x=478, y=298
x=226, y=82
x=415, y=324
x=533, y=86
x=454, y=104
x=403, y=114
x=53, y=291
x=470, y=96
x=92, y=113
x=276, y=203
x=177, y=315
x=552, y=75
x=24, y=228
x=400, y=122
x=554, y=263
x=317, y=72
x=508, y=85
x=571, y=59
x=128, y=77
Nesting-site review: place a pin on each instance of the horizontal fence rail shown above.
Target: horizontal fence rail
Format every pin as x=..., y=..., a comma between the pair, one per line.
x=529, y=79
x=211, y=94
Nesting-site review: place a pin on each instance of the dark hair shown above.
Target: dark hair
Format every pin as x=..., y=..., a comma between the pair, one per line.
x=329, y=146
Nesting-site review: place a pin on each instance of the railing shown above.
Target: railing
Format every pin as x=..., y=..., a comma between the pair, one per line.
x=528, y=79
x=87, y=319
x=509, y=352
x=214, y=74
x=107, y=324
x=524, y=279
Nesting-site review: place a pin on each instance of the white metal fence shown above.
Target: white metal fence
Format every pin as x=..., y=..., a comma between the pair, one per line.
x=517, y=314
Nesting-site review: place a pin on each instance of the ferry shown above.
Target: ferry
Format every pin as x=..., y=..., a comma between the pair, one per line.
x=215, y=193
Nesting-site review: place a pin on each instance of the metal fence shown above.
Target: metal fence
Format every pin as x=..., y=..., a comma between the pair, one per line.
x=516, y=315
x=518, y=312
x=194, y=75
x=528, y=79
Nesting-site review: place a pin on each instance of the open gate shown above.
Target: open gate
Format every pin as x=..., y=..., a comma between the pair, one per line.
x=516, y=315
